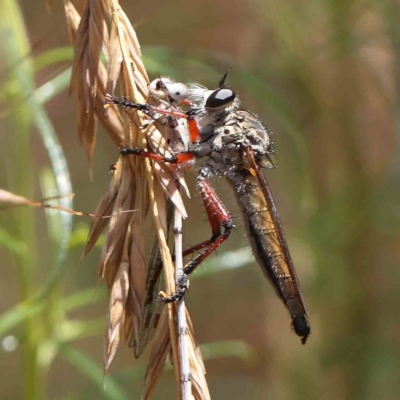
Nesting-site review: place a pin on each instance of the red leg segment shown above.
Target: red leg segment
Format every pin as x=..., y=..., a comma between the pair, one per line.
x=218, y=216
x=194, y=132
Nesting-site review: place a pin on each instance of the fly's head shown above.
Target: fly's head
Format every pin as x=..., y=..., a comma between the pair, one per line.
x=227, y=131
x=205, y=102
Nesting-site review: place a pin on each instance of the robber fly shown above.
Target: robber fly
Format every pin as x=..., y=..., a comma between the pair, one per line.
x=236, y=145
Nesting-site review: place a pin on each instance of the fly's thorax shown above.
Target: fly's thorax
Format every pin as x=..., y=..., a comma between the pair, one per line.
x=224, y=150
x=257, y=137
x=226, y=140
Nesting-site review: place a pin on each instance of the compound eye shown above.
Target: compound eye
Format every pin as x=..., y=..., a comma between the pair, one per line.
x=220, y=98
x=178, y=91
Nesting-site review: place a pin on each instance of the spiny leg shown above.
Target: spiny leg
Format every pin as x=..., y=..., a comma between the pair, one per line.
x=217, y=214
x=194, y=132
x=174, y=159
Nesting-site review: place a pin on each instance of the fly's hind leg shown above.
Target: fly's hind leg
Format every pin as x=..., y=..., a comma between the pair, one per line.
x=218, y=217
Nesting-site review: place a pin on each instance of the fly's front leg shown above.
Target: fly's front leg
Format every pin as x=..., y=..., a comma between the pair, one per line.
x=148, y=109
x=174, y=159
x=218, y=217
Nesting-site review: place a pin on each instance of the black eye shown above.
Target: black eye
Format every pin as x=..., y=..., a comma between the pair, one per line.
x=220, y=98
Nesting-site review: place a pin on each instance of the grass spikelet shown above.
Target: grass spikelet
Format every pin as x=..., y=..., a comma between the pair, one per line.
x=102, y=31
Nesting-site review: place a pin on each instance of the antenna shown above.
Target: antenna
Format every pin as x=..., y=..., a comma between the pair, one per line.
x=221, y=83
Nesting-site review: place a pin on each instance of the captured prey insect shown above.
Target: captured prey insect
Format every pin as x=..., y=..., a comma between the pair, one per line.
x=236, y=145
x=168, y=95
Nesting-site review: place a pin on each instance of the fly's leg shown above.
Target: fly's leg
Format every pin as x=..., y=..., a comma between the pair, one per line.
x=216, y=211
x=218, y=217
x=148, y=109
x=174, y=159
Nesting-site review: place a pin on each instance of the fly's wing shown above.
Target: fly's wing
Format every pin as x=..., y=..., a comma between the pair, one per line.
x=152, y=305
x=267, y=239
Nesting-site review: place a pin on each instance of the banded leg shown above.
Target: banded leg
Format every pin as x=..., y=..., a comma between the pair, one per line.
x=194, y=132
x=174, y=159
x=206, y=190
x=217, y=214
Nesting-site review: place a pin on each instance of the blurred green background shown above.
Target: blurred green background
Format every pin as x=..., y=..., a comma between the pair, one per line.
x=325, y=77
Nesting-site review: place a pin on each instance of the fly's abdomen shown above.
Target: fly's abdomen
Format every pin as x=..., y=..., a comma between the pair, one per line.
x=271, y=254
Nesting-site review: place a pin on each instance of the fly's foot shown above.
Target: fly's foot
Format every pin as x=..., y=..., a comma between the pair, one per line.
x=182, y=286
x=124, y=103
